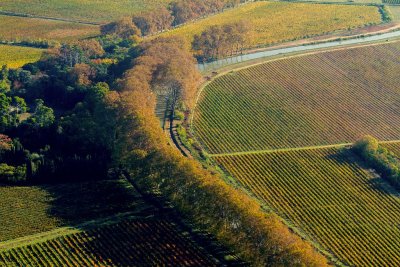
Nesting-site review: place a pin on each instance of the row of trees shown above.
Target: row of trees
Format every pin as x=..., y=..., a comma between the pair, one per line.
x=381, y=159
x=141, y=149
x=164, y=18
x=168, y=69
x=221, y=40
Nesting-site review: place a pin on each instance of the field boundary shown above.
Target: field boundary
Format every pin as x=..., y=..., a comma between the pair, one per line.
x=269, y=151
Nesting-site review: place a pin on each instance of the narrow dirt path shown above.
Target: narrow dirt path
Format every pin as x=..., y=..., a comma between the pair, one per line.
x=291, y=149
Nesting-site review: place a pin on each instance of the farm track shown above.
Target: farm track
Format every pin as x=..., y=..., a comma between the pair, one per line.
x=269, y=151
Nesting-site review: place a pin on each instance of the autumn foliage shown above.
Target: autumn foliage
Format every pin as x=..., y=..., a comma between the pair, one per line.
x=204, y=198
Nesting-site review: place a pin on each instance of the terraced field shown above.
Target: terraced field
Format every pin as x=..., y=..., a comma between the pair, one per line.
x=16, y=56
x=327, y=194
x=19, y=28
x=265, y=18
x=138, y=242
x=320, y=99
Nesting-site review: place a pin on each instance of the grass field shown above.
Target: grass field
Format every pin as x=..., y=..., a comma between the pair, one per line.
x=321, y=99
x=12, y=28
x=138, y=242
x=16, y=56
x=29, y=210
x=326, y=193
x=271, y=21
x=83, y=10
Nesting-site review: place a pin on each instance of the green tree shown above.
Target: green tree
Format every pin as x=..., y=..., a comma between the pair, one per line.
x=43, y=116
x=5, y=116
x=12, y=174
x=5, y=84
x=19, y=104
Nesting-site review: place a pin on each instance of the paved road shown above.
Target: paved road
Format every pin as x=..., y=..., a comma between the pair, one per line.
x=214, y=65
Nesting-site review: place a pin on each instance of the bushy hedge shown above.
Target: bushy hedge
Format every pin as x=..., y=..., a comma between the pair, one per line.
x=382, y=160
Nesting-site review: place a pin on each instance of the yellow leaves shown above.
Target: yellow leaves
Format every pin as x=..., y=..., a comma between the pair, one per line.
x=16, y=56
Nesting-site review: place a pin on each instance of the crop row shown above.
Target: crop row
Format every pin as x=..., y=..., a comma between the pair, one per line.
x=393, y=147
x=343, y=207
x=31, y=210
x=129, y=243
x=320, y=99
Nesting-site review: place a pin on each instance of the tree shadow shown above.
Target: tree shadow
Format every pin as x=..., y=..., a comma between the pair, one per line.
x=376, y=182
x=118, y=227
x=75, y=203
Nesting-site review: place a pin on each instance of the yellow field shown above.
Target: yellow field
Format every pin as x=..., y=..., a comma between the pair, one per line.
x=274, y=22
x=16, y=56
x=30, y=28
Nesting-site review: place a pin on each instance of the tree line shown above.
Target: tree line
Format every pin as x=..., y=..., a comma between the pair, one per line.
x=89, y=114
x=204, y=198
x=221, y=40
x=381, y=159
x=176, y=13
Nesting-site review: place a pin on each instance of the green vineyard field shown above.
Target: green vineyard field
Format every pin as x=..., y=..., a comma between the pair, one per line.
x=141, y=242
x=320, y=99
x=325, y=192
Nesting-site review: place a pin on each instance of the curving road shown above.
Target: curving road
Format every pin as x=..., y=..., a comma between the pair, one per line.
x=214, y=65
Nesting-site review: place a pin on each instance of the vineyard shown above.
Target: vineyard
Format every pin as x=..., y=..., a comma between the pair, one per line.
x=14, y=28
x=327, y=194
x=320, y=99
x=393, y=2
x=15, y=56
x=83, y=10
x=139, y=242
x=393, y=147
x=265, y=17
x=30, y=210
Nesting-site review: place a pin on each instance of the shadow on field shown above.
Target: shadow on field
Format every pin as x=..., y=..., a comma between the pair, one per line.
x=376, y=183
x=75, y=203
x=122, y=229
